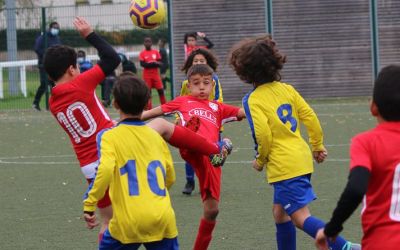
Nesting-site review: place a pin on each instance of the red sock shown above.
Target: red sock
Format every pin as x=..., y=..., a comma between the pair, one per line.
x=162, y=99
x=186, y=139
x=204, y=235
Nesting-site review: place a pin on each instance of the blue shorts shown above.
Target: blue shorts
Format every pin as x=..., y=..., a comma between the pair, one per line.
x=109, y=243
x=294, y=193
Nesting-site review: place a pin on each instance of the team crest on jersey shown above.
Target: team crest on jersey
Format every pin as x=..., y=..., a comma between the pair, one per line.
x=205, y=114
x=213, y=106
x=154, y=56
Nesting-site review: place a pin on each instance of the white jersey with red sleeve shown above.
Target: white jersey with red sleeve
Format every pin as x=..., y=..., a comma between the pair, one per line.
x=379, y=151
x=80, y=113
x=212, y=114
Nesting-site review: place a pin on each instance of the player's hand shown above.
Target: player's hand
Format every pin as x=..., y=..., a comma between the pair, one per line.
x=319, y=156
x=321, y=242
x=201, y=34
x=82, y=26
x=256, y=166
x=90, y=220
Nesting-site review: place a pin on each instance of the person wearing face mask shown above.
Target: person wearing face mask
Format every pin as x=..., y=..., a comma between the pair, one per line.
x=44, y=41
x=84, y=64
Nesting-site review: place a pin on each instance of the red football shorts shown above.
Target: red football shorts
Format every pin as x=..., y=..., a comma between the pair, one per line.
x=105, y=201
x=153, y=81
x=208, y=175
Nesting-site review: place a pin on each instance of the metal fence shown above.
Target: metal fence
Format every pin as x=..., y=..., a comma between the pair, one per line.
x=19, y=74
x=334, y=48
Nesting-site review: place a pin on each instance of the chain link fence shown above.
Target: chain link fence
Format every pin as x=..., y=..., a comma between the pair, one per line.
x=19, y=73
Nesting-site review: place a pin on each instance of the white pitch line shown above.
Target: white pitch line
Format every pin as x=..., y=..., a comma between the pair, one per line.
x=343, y=114
x=175, y=162
x=35, y=156
x=360, y=103
x=71, y=155
x=37, y=163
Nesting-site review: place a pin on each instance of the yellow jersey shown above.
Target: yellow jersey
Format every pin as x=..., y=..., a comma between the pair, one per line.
x=215, y=95
x=136, y=165
x=274, y=112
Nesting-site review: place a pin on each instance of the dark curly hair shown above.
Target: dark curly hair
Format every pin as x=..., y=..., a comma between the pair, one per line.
x=257, y=60
x=211, y=59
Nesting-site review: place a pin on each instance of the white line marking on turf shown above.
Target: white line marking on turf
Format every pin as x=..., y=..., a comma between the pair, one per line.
x=35, y=156
x=75, y=163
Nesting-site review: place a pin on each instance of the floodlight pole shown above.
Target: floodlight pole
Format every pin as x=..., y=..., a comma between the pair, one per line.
x=12, y=45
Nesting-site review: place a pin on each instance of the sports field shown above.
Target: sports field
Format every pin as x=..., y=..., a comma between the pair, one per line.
x=41, y=185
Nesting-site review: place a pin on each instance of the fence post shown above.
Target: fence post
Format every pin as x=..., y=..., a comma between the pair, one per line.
x=374, y=37
x=171, y=47
x=44, y=51
x=12, y=45
x=269, y=17
x=1, y=84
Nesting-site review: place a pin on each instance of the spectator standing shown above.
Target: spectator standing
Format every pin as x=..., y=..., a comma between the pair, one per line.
x=84, y=64
x=44, y=41
x=106, y=88
x=165, y=62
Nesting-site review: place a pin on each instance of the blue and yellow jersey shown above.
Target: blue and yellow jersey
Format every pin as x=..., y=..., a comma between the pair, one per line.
x=136, y=165
x=274, y=112
x=216, y=94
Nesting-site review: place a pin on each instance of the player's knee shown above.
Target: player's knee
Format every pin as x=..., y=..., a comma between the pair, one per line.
x=298, y=223
x=279, y=214
x=211, y=213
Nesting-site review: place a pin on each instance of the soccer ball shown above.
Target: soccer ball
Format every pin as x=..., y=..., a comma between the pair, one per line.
x=147, y=14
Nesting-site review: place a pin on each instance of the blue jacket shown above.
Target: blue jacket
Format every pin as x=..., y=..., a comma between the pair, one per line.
x=39, y=44
x=85, y=65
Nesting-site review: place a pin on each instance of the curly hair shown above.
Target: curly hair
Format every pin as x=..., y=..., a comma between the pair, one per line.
x=257, y=60
x=211, y=59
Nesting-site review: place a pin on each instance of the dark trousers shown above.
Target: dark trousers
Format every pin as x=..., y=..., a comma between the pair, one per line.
x=106, y=89
x=43, y=84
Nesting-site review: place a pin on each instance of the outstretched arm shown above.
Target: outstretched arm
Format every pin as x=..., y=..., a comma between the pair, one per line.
x=148, y=114
x=109, y=59
x=205, y=38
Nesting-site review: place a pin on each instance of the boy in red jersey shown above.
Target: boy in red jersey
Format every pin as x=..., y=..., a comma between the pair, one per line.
x=212, y=115
x=190, y=42
x=374, y=173
x=79, y=111
x=150, y=60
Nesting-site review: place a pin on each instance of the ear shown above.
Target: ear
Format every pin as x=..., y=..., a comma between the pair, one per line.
x=374, y=109
x=115, y=104
x=71, y=70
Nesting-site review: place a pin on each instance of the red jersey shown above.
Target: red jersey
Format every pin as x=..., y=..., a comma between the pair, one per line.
x=212, y=114
x=149, y=56
x=190, y=49
x=80, y=113
x=379, y=151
